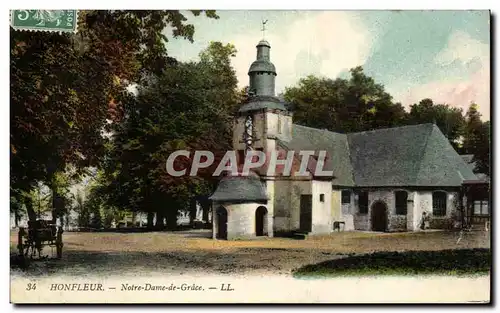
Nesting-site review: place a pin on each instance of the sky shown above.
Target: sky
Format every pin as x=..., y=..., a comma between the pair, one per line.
x=442, y=55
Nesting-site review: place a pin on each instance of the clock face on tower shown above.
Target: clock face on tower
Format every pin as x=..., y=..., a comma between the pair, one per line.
x=248, y=131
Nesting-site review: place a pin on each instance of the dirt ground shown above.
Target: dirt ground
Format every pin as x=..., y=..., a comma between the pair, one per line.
x=191, y=252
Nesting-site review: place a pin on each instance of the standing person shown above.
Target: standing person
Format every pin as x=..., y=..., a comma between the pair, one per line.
x=424, y=224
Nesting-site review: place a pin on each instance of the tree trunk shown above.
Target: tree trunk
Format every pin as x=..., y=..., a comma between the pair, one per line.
x=151, y=217
x=159, y=221
x=54, y=206
x=192, y=212
x=67, y=221
x=171, y=219
x=16, y=218
x=207, y=218
x=30, y=210
x=205, y=208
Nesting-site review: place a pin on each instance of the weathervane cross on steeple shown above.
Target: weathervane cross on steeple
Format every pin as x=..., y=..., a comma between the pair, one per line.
x=263, y=28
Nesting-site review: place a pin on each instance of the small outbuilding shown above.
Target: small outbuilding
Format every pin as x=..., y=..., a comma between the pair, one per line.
x=240, y=208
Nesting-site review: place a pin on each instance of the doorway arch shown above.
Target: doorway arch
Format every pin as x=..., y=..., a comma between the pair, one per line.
x=261, y=221
x=221, y=213
x=379, y=216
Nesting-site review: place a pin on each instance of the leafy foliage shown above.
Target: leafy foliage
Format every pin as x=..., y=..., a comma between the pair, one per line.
x=70, y=110
x=187, y=107
x=477, y=139
x=450, y=120
x=64, y=87
x=360, y=104
x=342, y=105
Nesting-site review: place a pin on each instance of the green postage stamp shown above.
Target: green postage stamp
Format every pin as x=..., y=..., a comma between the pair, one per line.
x=44, y=20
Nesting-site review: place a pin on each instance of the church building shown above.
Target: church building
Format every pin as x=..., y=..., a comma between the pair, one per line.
x=383, y=180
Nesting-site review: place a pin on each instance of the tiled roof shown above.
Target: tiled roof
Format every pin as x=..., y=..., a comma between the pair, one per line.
x=240, y=188
x=416, y=155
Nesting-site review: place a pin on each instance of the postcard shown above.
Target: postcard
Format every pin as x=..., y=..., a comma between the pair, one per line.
x=219, y=156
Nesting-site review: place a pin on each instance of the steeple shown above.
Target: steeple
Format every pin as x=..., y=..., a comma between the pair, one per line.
x=262, y=118
x=262, y=72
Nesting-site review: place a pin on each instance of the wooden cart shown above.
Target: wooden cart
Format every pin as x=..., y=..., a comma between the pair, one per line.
x=39, y=234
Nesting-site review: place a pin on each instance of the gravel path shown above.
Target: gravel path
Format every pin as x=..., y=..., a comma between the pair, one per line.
x=193, y=252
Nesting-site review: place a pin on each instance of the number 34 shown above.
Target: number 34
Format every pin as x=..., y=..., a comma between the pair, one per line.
x=31, y=286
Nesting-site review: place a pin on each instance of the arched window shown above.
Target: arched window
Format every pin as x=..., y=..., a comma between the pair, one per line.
x=439, y=203
x=401, y=202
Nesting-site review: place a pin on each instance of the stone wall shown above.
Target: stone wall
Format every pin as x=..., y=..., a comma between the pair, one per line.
x=336, y=206
x=281, y=205
x=278, y=125
x=287, y=203
x=413, y=212
x=322, y=219
x=418, y=202
x=439, y=222
x=362, y=221
x=267, y=126
x=395, y=222
x=398, y=223
x=259, y=128
x=240, y=220
x=271, y=193
x=348, y=210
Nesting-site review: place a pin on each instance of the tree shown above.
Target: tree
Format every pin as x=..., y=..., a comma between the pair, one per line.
x=449, y=119
x=64, y=88
x=473, y=126
x=187, y=107
x=344, y=105
x=83, y=211
x=96, y=218
x=216, y=60
x=477, y=139
x=482, y=153
x=17, y=209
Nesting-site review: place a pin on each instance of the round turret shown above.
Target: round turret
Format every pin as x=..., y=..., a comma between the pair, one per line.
x=262, y=72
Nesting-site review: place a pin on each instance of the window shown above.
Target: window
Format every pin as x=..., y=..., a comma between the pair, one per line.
x=363, y=202
x=346, y=196
x=439, y=203
x=481, y=207
x=401, y=202
x=322, y=197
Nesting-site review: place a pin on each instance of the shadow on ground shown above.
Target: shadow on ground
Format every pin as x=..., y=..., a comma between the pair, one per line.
x=192, y=252
x=456, y=262
x=237, y=261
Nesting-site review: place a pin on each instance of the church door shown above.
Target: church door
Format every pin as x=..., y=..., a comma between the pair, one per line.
x=379, y=216
x=261, y=221
x=221, y=223
x=306, y=213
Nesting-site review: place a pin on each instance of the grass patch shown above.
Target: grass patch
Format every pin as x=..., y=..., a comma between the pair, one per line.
x=459, y=262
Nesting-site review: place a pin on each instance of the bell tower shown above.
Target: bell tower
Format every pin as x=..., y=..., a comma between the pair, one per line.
x=263, y=118
x=262, y=72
